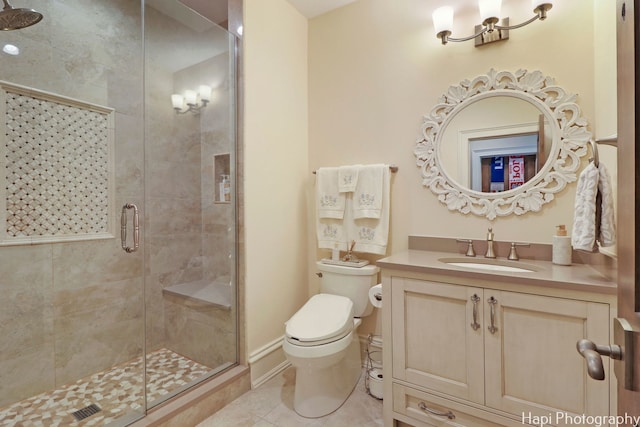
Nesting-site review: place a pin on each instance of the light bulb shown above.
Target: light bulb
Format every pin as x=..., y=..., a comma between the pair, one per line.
x=190, y=97
x=177, y=101
x=443, y=19
x=205, y=93
x=489, y=9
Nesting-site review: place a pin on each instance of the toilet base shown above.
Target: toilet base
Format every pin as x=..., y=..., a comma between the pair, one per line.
x=319, y=392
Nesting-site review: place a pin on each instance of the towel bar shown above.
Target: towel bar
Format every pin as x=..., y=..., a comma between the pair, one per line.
x=392, y=168
x=611, y=140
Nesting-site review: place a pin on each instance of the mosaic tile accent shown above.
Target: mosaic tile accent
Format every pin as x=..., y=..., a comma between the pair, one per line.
x=57, y=165
x=116, y=392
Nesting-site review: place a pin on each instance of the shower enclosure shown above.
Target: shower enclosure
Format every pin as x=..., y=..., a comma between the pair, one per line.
x=117, y=210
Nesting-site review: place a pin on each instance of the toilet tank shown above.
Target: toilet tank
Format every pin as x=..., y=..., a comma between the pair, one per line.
x=351, y=282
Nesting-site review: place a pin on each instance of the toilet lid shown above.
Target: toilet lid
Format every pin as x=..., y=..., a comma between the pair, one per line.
x=323, y=316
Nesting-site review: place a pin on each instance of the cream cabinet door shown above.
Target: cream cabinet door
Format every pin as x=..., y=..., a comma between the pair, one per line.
x=436, y=344
x=532, y=366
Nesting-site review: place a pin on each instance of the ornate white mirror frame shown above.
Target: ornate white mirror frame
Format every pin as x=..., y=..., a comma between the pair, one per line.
x=570, y=139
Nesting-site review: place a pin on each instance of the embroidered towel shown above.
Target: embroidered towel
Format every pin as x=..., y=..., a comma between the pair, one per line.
x=329, y=201
x=348, y=178
x=371, y=234
x=367, y=198
x=593, y=217
x=331, y=234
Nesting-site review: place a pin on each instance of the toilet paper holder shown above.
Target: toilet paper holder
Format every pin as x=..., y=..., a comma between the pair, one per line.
x=375, y=295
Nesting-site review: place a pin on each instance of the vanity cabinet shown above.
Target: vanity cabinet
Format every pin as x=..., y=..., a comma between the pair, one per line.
x=467, y=355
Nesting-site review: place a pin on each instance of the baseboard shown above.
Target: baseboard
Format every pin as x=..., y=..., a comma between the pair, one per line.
x=267, y=362
x=271, y=374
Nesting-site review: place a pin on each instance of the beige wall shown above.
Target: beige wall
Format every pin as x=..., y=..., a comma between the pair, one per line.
x=276, y=169
x=374, y=69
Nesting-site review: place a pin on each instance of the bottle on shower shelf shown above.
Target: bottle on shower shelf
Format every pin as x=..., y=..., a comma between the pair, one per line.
x=226, y=188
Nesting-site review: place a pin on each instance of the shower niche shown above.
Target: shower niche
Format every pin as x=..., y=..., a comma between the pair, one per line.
x=222, y=178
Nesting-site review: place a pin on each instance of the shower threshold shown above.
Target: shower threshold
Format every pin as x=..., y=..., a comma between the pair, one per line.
x=116, y=392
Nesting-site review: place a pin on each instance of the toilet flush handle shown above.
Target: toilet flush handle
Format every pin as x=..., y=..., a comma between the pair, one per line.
x=319, y=274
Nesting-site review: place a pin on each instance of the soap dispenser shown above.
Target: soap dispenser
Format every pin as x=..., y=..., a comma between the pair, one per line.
x=561, y=252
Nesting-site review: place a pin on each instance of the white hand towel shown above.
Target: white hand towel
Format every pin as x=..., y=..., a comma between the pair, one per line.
x=330, y=202
x=607, y=224
x=371, y=234
x=368, y=196
x=331, y=233
x=584, y=221
x=348, y=178
x=594, y=215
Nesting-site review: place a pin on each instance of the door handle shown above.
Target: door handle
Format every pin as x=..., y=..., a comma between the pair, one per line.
x=593, y=355
x=136, y=228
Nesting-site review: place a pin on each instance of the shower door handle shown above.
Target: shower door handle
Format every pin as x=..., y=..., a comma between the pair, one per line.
x=136, y=228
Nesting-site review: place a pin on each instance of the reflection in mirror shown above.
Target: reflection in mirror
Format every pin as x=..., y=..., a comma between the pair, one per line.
x=503, y=163
x=503, y=143
x=500, y=127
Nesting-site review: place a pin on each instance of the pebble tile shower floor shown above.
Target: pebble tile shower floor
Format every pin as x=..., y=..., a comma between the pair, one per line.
x=115, y=391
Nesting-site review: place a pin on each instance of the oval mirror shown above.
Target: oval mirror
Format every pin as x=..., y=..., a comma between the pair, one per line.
x=503, y=143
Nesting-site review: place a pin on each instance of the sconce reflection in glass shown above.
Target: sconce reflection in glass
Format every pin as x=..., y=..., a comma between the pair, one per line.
x=489, y=31
x=191, y=101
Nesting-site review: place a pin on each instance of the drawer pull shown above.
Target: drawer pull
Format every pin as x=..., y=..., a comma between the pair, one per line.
x=475, y=299
x=425, y=408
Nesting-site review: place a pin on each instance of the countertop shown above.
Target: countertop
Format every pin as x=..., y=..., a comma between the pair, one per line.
x=580, y=277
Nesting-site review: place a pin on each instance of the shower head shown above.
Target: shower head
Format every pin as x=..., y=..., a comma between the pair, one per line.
x=15, y=19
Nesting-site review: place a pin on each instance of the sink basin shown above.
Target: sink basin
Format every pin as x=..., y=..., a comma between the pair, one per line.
x=490, y=265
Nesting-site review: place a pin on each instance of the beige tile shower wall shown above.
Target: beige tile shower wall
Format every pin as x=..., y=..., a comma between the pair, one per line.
x=70, y=309
x=188, y=235
x=207, y=334
x=217, y=138
x=26, y=322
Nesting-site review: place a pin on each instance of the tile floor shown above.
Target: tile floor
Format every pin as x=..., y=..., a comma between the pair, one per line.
x=115, y=391
x=271, y=405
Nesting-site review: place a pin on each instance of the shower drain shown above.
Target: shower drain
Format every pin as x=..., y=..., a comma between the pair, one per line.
x=83, y=413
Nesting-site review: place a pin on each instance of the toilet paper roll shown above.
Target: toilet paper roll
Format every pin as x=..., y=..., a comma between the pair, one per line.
x=375, y=295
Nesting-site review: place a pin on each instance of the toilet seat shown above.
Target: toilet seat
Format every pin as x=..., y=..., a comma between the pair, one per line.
x=323, y=319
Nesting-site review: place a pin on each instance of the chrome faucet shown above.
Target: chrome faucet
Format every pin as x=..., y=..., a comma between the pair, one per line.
x=491, y=253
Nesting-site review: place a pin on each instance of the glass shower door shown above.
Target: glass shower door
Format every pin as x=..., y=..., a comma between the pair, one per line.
x=190, y=246
x=71, y=156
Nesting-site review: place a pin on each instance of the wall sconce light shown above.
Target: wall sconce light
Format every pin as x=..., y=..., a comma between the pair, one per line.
x=195, y=101
x=489, y=31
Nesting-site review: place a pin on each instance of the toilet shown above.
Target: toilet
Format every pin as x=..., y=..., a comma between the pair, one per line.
x=321, y=339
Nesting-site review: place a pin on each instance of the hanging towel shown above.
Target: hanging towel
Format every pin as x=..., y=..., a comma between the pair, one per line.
x=331, y=233
x=368, y=196
x=348, y=178
x=329, y=201
x=371, y=234
x=607, y=224
x=593, y=217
